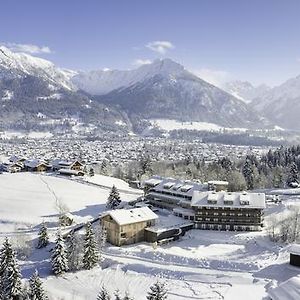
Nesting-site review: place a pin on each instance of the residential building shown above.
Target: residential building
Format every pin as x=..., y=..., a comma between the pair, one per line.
x=170, y=193
x=127, y=226
x=228, y=211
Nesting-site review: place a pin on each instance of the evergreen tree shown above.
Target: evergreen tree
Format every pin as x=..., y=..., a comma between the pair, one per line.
x=91, y=172
x=43, y=239
x=157, y=291
x=117, y=295
x=91, y=255
x=103, y=167
x=73, y=251
x=36, y=291
x=114, y=198
x=293, y=176
x=248, y=173
x=103, y=294
x=127, y=297
x=10, y=276
x=59, y=256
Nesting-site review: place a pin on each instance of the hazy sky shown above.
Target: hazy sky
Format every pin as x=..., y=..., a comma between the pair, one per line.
x=257, y=40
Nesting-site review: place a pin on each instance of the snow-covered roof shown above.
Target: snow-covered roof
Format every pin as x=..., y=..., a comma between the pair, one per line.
x=295, y=249
x=70, y=172
x=174, y=186
x=152, y=181
x=134, y=215
x=211, y=198
x=288, y=290
x=218, y=182
x=34, y=163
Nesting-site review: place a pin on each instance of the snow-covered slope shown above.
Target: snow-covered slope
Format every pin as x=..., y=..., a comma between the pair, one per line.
x=244, y=90
x=165, y=89
x=19, y=64
x=281, y=104
x=101, y=82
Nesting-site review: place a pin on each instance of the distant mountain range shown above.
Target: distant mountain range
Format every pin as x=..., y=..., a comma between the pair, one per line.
x=37, y=95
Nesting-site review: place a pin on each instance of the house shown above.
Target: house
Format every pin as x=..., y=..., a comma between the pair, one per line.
x=295, y=255
x=36, y=166
x=12, y=167
x=127, y=226
x=288, y=290
x=72, y=165
x=228, y=211
x=170, y=193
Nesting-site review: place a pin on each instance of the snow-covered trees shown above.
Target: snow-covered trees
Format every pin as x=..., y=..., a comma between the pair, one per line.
x=43, y=239
x=293, y=176
x=157, y=291
x=73, y=251
x=10, y=276
x=285, y=226
x=248, y=173
x=91, y=172
x=103, y=294
x=127, y=296
x=36, y=290
x=117, y=295
x=90, y=252
x=59, y=259
x=114, y=198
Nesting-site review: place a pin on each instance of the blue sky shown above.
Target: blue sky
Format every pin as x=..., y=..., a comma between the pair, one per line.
x=257, y=40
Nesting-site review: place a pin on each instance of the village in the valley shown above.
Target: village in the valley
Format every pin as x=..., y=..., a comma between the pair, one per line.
x=86, y=226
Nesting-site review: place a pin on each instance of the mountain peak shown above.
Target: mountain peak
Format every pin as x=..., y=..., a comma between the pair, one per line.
x=164, y=66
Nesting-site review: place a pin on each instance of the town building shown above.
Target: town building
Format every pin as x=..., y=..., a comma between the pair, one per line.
x=72, y=165
x=295, y=255
x=127, y=226
x=171, y=193
x=36, y=166
x=228, y=211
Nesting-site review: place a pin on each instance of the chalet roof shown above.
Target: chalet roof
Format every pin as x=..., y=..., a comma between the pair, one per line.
x=135, y=215
x=34, y=163
x=295, y=249
x=239, y=199
x=288, y=290
x=60, y=162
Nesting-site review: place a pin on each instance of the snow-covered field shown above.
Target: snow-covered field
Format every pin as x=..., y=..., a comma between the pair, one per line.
x=169, y=124
x=201, y=265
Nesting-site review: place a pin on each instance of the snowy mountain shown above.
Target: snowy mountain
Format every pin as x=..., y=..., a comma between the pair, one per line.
x=165, y=89
x=16, y=65
x=31, y=87
x=36, y=95
x=101, y=82
x=244, y=90
x=281, y=104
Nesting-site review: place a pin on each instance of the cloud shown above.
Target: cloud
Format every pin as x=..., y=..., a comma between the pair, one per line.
x=140, y=62
x=160, y=46
x=27, y=48
x=215, y=77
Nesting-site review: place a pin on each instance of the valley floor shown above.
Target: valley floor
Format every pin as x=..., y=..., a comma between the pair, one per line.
x=201, y=265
